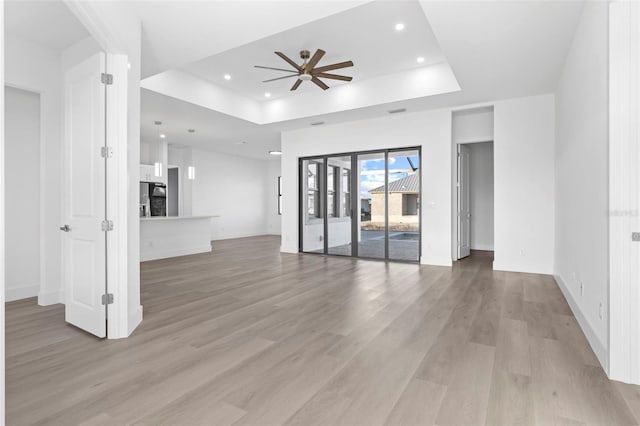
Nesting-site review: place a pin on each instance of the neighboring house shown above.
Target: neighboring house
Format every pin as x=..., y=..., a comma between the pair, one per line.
x=365, y=209
x=403, y=200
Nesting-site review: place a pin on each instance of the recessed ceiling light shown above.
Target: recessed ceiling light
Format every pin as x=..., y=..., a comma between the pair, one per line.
x=419, y=59
x=191, y=130
x=267, y=95
x=399, y=26
x=162, y=136
x=275, y=152
x=227, y=77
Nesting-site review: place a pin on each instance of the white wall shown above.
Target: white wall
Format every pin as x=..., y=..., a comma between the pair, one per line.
x=271, y=190
x=32, y=67
x=232, y=188
x=429, y=129
x=481, y=192
x=581, y=168
x=22, y=193
x=524, y=184
x=523, y=174
x=473, y=125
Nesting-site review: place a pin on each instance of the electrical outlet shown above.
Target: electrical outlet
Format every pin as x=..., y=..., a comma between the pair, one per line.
x=601, y=311
x=581, y=289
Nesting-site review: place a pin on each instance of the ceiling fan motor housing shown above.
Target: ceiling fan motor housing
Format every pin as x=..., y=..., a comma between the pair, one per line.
x=308, y=71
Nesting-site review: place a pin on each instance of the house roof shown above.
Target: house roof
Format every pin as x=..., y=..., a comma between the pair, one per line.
x=410, y=184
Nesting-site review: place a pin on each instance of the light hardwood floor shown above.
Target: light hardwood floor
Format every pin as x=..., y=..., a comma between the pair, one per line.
x=248, y=336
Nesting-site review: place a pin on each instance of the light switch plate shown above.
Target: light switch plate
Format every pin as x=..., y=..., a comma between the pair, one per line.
x=635, y=236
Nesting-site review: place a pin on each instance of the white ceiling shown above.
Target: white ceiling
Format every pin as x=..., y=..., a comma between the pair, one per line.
x=47, y=23
x=178, y=32
x=213, y=131
x=503, y=49
x=497, y=50
x=364, y=34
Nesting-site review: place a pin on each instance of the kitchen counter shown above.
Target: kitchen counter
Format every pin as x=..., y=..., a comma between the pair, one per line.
x=162, y=237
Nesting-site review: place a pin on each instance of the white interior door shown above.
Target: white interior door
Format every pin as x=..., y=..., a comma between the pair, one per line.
x=84, y=261
x=464, y=211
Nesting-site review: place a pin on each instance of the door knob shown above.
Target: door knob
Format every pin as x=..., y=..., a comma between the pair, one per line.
x=65, y=228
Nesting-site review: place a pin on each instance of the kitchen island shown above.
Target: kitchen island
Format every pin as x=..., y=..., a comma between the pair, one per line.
x=171, y=236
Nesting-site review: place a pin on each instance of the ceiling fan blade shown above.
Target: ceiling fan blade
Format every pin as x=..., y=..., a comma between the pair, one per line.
x=280, y=78
x=315, y=59
x=333, y=66
x=289, y=61
x=333, y=76
x=317, y=81
x=275, y=69
x=296, y=84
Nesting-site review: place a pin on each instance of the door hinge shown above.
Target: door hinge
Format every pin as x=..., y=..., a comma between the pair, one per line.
x=635, y=236
x=106, y=152
x=107, y=299
x=107, y=225
x=106, y=78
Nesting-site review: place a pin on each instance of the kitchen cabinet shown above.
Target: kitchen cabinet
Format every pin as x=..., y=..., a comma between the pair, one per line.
x=147, y=174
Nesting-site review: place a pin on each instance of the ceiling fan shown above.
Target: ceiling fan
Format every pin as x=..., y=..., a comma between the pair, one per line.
x=308, y=70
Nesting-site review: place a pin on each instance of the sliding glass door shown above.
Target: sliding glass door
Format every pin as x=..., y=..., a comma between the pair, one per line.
x=403, y=200
x=312, y=211
x=339, y=214
x=373, y=205
x=362, y=204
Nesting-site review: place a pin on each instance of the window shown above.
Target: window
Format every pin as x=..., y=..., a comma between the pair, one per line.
x=279, y=194
x=409, y=204
x=313, y=191
x=346, y=193
x=332, y=179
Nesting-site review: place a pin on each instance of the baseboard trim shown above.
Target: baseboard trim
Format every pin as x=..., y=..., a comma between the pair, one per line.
x=527, y=269
x=596, y=345
x=288, y=249
x=50, y=298
x=22, y=292
x=134, y=320
x=234, y=236
x=436, y=261
x=483, y=247
x=163, y=254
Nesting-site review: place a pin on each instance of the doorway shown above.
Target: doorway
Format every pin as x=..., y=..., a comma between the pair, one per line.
x=173, y=191
x=474, y=189
x=24, y=209
x=362, y=204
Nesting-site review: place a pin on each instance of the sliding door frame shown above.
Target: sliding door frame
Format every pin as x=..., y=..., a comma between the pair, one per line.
x=323, y=201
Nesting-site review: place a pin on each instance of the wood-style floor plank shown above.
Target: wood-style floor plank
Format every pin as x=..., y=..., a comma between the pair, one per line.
x=246, y=335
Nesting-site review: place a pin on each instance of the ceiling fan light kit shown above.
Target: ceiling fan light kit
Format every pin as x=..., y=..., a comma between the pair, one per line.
x=308, y=70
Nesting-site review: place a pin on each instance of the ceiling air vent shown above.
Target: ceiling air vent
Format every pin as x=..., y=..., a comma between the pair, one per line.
x=317, y=123
x=396, y=111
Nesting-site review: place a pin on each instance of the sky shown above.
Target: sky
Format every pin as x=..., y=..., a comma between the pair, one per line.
x=372, y=172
